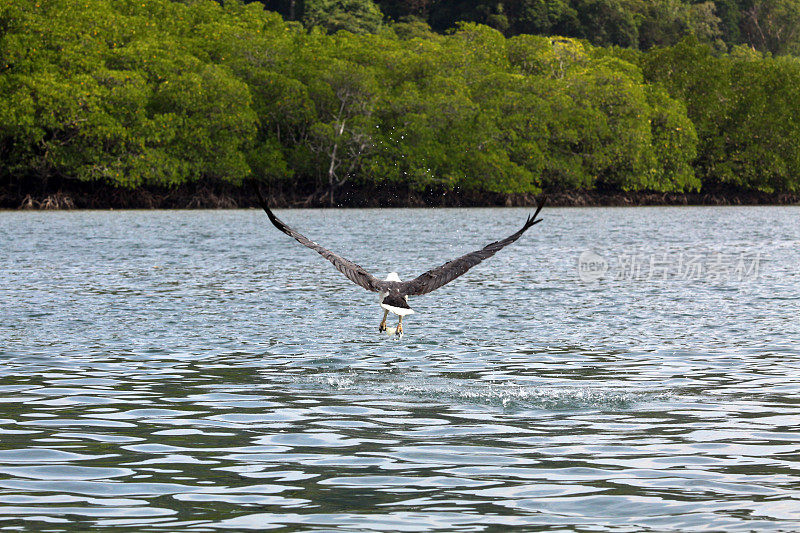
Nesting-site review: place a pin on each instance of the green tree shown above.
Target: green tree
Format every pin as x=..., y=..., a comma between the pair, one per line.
x=355, y=16
x=674, y=142
x=692, y=73
x=665, y=22
x=761, y=134
x=605, y=22
x=743, y=106
x=773, y=25
x=342, y=136
x=543, y=17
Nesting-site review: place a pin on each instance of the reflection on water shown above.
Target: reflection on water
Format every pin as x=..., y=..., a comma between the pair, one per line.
x=200, y=371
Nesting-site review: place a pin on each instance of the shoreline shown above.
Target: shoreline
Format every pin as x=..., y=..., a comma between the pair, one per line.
x=224, y=196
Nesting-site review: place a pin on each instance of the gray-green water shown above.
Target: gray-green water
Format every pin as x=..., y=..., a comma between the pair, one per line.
x=200, y=371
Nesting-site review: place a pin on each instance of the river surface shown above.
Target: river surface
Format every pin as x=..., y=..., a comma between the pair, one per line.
x=633, y=369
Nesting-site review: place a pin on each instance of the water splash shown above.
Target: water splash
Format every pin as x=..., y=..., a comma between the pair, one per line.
x=506, y=395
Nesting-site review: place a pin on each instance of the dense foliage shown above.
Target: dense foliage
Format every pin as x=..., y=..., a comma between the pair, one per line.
x=766, y=25
x=745, y=107
x=156, y=92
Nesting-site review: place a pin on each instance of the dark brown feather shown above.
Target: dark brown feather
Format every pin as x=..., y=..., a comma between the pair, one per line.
x=433, y=279
x=427, y=282
x=352, y=271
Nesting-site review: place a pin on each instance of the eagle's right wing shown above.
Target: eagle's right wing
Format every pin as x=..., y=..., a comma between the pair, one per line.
x=433, y=279
x=354, y=273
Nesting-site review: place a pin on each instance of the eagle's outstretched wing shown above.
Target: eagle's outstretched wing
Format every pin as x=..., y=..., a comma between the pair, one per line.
x=354, y=273
x=433, y=279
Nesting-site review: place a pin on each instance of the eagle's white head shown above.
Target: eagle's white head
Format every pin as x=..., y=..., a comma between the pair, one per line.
x=393, y=277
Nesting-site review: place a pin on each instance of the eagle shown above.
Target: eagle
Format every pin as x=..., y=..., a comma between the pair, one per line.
x=393, y=292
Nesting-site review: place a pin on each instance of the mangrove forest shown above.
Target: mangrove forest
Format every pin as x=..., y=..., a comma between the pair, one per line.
x=320, y=102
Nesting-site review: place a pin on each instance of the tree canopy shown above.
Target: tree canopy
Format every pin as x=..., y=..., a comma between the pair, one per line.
x=766, y=25
x=157, y=92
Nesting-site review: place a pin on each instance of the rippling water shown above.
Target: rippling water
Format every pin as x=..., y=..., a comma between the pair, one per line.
x=200, y=371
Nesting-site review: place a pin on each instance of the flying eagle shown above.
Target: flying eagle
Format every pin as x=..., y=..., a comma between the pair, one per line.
x=393, y=292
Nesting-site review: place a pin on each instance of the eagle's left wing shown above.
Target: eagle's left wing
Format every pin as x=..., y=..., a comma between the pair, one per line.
x=433, y=279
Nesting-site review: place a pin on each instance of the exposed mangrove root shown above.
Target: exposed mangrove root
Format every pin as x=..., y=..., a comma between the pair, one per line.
x=210, y=195
x=55, y=201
